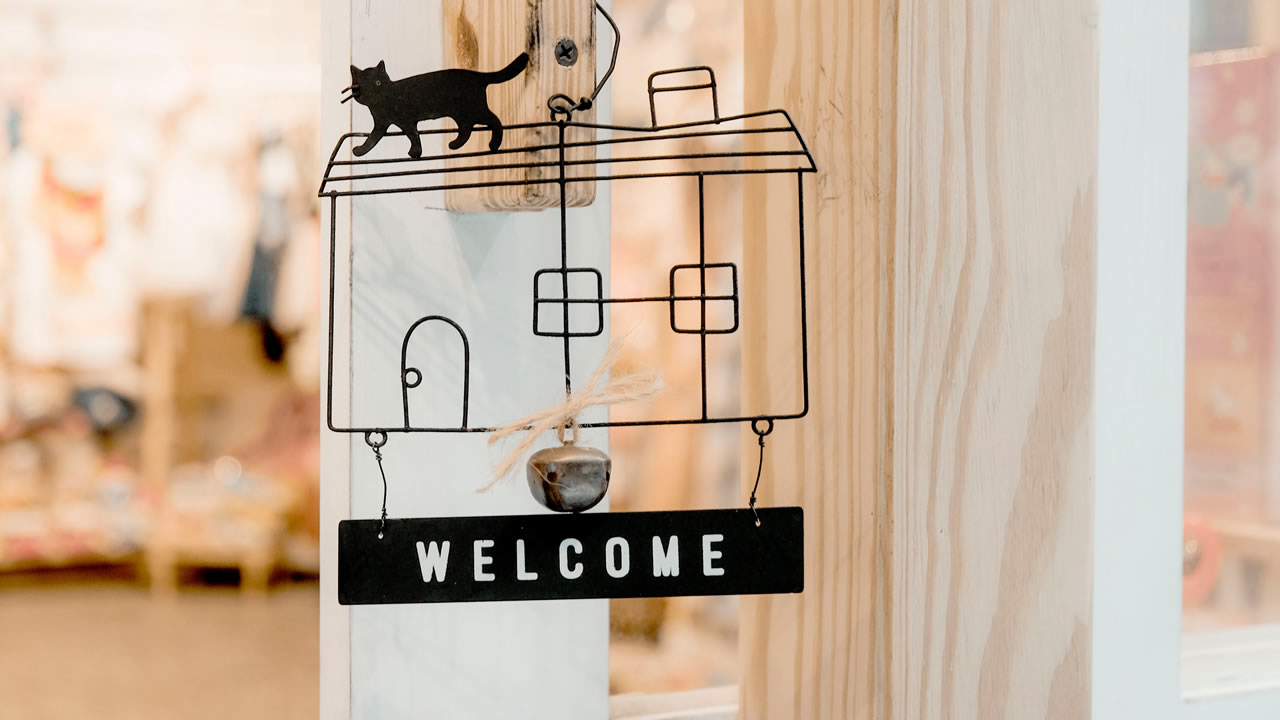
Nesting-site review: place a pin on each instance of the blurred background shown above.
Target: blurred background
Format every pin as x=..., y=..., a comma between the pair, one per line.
x=160, y=355
x=159, y=366
x=1231, y=550
x=161, y=271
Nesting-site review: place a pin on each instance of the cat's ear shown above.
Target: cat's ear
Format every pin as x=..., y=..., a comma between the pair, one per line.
x=355, y=72
x=382, y=66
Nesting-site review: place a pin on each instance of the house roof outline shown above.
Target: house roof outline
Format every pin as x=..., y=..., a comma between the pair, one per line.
x=786, y=153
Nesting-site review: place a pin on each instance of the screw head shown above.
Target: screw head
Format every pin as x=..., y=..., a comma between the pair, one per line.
x=566, y=52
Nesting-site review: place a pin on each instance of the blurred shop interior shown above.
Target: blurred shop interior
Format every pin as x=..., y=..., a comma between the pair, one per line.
x=1231, y=549
x=161, y=270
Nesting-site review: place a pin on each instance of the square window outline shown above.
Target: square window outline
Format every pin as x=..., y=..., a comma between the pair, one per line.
x=733, y=269
x=538, y=301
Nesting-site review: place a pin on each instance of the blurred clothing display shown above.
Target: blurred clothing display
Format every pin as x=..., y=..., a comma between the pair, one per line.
x=105, y=409
x=73, y=298
x=154, y=173
x=277, y=186
x=146, y=211
x=198, y=220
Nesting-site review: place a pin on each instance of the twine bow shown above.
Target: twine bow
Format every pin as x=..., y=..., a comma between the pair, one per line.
x=596, y=392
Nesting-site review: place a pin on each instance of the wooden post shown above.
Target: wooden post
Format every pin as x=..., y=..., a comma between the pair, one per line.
x=485, y=35
x=1264, y=24
x=816, y=656
x=401, y=258
x=163, y=323
x=946, y=463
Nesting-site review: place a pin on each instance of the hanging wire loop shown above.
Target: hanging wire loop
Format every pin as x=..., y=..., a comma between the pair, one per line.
x=561, y=104
x=376, y=440
x=761, y=432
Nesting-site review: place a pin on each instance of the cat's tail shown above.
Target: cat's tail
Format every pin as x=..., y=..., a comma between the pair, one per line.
x=509, y=72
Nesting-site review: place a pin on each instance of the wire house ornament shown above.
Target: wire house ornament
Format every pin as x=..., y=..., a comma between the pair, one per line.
x=632, y=156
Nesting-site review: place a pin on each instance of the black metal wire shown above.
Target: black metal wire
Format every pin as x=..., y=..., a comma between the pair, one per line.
x=795, y=158
x=406, y=385
x=561, y=104
x=640, y=134
x=568, y=181
x=376, y=445
x=710, y=84
x=702, y=289
x=599, y=301
x=760, y=436
x=564, y=267
x=453, y=169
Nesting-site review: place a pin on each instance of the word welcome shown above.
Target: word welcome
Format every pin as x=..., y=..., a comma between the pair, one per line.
x=550, y=557
x=433, y=559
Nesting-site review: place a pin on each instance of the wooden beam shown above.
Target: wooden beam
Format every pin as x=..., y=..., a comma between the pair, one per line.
x=996, y=235
x=1264, y=24
x=994, y=380
x=485, y=35
x=715, y=703
x=947, y=460
x=818, y=655
x=163, y=327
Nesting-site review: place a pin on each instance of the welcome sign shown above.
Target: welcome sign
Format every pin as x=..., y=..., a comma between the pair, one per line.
x=561, y=557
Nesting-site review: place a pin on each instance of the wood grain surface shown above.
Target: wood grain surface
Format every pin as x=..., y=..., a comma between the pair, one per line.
x=996, y=243
x=946, y=464
x=818, y=655
x=485, y=35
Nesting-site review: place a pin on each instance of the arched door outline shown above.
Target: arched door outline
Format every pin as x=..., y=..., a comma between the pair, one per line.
x=406, y=385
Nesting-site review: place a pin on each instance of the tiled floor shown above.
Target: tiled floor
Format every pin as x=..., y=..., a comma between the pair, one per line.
x=101, y=648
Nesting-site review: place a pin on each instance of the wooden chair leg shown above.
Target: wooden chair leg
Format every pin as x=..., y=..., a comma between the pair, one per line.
x=255, y=574
x=162, y=572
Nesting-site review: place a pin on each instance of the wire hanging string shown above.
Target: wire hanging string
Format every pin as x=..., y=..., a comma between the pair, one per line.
x=759, y=471
x=760, y=436
x=561, y=104
x=600, y=390
x=377, y=454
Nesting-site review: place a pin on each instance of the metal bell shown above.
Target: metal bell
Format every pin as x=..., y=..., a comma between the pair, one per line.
x=569, y=478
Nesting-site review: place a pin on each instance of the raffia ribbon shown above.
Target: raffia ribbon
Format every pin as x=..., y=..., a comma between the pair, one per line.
x=596, y=392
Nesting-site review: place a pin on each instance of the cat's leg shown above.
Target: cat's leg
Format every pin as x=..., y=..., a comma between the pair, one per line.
x=415, y=142
x=494, y=123
x=379, y=131
x=464, y=134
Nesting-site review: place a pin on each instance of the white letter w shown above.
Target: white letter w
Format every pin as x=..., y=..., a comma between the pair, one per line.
x=434, y=561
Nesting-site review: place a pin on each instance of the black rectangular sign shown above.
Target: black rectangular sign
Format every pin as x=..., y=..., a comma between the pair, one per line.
x=561, y=557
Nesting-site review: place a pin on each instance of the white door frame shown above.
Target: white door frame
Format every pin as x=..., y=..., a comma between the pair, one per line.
x=398, y=259
x=1140, y=354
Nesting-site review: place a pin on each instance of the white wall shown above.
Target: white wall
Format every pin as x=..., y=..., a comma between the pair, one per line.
x=1140, y=350
x=468, y=661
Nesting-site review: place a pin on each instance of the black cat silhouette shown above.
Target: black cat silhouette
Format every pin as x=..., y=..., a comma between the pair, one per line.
x=458, y=94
